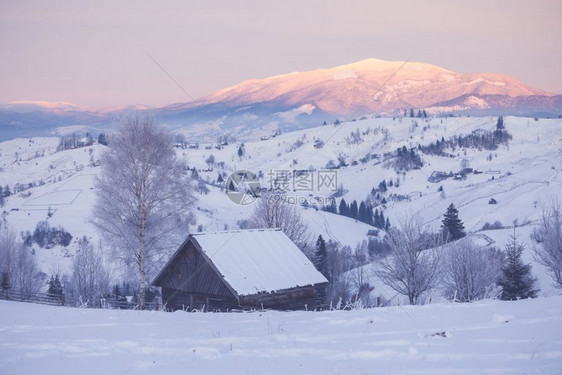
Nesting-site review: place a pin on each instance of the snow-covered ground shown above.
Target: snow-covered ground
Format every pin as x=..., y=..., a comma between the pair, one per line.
x=486, y=337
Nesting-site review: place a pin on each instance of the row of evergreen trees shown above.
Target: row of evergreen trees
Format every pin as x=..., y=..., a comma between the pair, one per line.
x=362, y=212
x=46, y=236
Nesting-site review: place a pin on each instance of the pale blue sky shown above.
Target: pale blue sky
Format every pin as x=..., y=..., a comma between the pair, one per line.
x=94, y=53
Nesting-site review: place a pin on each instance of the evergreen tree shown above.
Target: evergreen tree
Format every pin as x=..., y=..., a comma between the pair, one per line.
x=343, y=210
x=500, y=125
x=516, y=280
x=411, y=112
x=353, y=210
x=382, y=186
x=220, y=179
x=333, y=208
x=369, y=213
x=5, y=284
x=241, y=151
x=377, y=219
x=387, y=225
x=424, y=114
x=117, y=291
x=102, y=139
x=321, y=257
x=55, y=287
x=419, y=113
x=362, y=213
x=452, y=226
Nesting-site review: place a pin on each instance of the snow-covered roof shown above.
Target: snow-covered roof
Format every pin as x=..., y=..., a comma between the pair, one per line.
x=258, y=260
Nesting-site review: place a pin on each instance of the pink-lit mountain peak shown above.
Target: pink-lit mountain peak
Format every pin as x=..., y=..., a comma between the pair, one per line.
x=341, y=89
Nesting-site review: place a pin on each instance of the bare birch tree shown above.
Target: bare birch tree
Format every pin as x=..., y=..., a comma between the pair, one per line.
x=413, y=266
x=470, y=270
x=272, y=211
x=90, y=279
x=548, y=251
x=144, y=196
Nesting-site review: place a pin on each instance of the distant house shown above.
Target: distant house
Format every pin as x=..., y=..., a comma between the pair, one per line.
x=492, y=201
x=243, y=269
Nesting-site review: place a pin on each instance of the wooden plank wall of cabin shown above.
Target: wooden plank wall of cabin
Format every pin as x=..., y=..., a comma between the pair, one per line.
x=191, y=273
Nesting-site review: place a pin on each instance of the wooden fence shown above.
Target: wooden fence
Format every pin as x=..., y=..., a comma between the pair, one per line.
x=54, y=300
x=41, y=298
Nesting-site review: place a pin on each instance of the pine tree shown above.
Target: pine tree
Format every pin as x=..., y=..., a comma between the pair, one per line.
x=5, y=284
x=382, y=186
x=387, y=225
x=333, y=208
x=353, y=210
x=452, y=226
x=516, y=280
x=55, y=287
x=411, y=112
x=102, y=139
x=377, y=219
x=220, y=179
x=362, y=213
x=343, y=210
x=500, y=125
x=321, y=257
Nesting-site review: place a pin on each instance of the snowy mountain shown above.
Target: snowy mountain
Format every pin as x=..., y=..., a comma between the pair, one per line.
x=306, y=99
x=374, y=86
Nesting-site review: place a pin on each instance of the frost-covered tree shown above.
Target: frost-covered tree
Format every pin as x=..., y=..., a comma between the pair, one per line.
x=452, y=226
x=471, y=271
x=548, y=251
x=90, y=279
x=413, y=266
x=18, y=266
x=144, y=197
x=516, y=280
x=273, y=211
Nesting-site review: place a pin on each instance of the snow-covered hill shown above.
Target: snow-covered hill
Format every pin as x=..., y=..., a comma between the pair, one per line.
x=521, y=177
x=520, y=337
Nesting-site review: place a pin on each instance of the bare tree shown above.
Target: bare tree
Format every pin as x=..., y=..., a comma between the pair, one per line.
x=471, y=270
x=90, y=279
x=272, y=211
x=18, y=266
x=548, y=251
x=413, y=266
x=143, y=196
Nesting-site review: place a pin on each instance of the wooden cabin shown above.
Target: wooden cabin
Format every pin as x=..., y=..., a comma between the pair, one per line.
x=243, y=269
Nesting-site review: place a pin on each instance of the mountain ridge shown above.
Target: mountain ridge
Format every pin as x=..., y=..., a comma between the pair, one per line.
x=300, y=100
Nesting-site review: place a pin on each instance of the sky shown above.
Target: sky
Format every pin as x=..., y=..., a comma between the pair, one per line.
x=98, y=53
